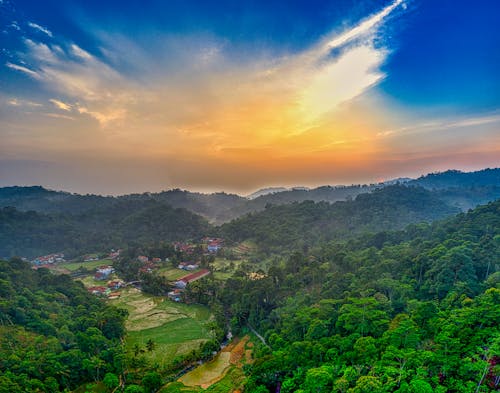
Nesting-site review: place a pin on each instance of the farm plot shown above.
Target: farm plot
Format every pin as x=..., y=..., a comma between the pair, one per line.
x=173, y=328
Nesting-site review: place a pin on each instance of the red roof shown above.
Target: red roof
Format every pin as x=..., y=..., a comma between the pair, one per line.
x=194, y=276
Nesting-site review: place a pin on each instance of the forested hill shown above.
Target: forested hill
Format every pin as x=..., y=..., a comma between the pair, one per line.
x=217, y=207
x=463, y=190
x=454, y=179
x=54, y=335
x=308, y=223
x=29, y=234
x=416, y=313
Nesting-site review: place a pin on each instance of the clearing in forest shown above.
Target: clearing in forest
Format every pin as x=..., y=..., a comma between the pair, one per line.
x=232, y=356
x=174, y=328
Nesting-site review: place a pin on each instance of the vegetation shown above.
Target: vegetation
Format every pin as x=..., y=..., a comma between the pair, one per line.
x=389, y=292
x=412, y=311
x=160, y=330
x=301, y=225
x=31, y=233
x=54, y=335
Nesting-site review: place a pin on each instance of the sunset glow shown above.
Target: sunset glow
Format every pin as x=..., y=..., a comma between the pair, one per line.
x=112, y=111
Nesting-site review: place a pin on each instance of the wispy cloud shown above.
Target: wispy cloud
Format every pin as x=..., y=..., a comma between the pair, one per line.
x=206, y=111
x=19, y=102
x=59, y=116
x=442, y=124
x=61, y=105
x=24, y=69
x=365, y=27
x=40, y=28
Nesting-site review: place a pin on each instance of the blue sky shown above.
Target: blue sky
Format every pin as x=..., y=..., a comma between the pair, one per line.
x=238, y=95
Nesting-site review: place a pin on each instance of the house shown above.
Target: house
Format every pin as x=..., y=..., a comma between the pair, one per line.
x=147, y=267
x=188, y=266
x=184, y=281
x=156, y=260
x=114, y=295
x=114, y=254
x=214, y=245
x=98, y=290
x=142, y=258
x=48, y=259
x=184, y=247
x=115, y=284
x=175, y=295
x=103, y=272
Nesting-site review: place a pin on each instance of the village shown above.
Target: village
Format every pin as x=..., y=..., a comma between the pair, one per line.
x=98, y=274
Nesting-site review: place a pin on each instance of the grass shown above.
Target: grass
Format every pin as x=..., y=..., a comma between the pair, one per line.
x=208, y=373
x=175, y=328
x=223, y=373
x=89, y=281
x=92, y=265
x=172, y=273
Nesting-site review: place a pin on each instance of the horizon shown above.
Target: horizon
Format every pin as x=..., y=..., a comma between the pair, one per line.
x=116, y=98
x=247, y=195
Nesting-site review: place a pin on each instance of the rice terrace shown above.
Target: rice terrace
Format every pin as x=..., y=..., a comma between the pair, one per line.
x=173, y=328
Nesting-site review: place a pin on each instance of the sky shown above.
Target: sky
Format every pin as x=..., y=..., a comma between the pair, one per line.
x=114, y=97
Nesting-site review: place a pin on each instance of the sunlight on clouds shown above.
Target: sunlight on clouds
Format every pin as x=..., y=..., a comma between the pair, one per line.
x=61, y=105
x=340, y=81
x=192, y=108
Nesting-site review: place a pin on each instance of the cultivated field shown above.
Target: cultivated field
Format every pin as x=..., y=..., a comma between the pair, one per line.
x=220, y=373
x=174, y=328
x=92, y=265
x=172, y=273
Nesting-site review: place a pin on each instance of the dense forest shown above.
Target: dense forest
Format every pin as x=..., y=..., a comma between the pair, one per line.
x=275, y=228
x=409, y=311
x=36, y=221
x=464, y=190
x=29, y=234
x=54, y=334
x=391, y=291
x=305, y=224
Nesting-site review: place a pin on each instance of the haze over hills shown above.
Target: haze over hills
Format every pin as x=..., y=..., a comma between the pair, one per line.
x=461, y=189
x=35, y=220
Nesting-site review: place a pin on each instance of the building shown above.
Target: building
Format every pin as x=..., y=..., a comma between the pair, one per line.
x=184, y=281
x=214, y=245
x=143, y=258
x=103, y=272
x=188, y=266
x=115, y=284
x=98, y=290
x=175, y=295
x=48, y=259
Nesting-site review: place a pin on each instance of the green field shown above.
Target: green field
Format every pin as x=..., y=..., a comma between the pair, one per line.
x=89, y=281
x=174, y=328
x=92, y=265
x=173, y=273
x=207, y=373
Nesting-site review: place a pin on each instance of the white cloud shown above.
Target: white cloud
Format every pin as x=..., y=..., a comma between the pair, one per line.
x=61, y=105
x=363, y=28
x=79, y=52
x=26, y=70
x=59, y=116
x=18, y=102
x=442, y=124
x=198, y=80
x=40, y=28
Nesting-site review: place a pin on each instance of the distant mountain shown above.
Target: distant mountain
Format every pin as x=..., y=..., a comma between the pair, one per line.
x=309, y=223
x=460, y=189
x=265, y=191
x=454, y=179
x=464, y=190
x=31, y=233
